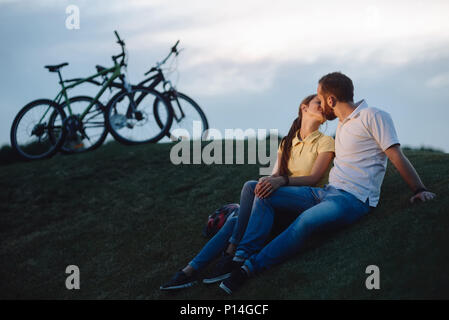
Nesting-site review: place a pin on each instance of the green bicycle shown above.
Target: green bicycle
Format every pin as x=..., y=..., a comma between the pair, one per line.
x=79, y=124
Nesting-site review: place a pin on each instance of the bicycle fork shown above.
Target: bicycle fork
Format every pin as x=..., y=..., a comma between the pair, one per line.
x=132, y=107
x=172, y=95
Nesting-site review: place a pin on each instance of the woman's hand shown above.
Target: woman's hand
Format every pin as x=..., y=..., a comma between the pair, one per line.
x=257, y=188
x=267, y=185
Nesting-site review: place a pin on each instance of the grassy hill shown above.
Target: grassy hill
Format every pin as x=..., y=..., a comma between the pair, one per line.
x=129, y=219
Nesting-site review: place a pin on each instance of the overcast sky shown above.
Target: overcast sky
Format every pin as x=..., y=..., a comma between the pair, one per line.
x=248, y=63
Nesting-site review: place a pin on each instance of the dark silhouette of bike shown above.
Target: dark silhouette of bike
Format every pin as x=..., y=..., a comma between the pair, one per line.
x=79, y=124
x=184, y=110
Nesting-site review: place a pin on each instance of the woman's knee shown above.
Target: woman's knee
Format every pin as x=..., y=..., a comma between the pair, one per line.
x=249, y=187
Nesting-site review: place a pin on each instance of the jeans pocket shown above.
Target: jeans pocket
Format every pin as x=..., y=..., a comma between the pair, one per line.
x=316, y=197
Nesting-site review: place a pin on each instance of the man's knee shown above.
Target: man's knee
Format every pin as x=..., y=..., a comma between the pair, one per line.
x=303, y=225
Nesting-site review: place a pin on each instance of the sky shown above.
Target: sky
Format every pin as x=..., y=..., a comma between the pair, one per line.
x=247, y=63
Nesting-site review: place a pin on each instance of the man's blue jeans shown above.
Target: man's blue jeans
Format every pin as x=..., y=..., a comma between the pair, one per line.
x=319, y=209
x=231, y=232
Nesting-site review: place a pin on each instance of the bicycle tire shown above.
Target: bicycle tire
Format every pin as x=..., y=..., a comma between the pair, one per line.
x=142, y=93
x=54, y=146
x=196, y=107
x=68, y=147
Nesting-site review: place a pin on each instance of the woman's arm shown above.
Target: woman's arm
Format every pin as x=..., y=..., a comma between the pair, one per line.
x=275, y=171
x=270, y=184
x=320, y=166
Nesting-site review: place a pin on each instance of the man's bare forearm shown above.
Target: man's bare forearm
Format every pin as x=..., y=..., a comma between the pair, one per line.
x=405, y=168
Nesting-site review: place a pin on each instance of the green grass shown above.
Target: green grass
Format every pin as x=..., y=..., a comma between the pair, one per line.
x=129, y=219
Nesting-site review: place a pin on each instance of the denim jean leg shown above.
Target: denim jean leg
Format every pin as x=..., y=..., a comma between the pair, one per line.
x=334, y=212
x=214, y=246
x=285, y=199
x=246, y=204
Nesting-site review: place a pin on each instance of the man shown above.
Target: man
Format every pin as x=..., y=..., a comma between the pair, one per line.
x=365, y=138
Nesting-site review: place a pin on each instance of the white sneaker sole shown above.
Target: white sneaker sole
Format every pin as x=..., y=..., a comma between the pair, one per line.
x=226, y=289
x=181, y=286
x=216, y=279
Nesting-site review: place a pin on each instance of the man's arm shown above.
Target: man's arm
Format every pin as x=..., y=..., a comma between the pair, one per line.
x=408, y=173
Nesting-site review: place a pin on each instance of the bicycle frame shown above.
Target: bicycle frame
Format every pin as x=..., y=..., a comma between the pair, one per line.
x=115, y=70
x=159, y=78
x=156, y=79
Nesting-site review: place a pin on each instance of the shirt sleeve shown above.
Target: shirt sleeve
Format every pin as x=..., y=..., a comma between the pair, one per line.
x=326, y=144
x=382, y=129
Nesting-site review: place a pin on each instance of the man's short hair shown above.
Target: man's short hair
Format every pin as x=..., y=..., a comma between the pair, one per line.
x=339, y=85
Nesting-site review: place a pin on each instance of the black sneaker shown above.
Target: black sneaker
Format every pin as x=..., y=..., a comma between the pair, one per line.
x=235, y=281
x=222, y=269
x=180, y=281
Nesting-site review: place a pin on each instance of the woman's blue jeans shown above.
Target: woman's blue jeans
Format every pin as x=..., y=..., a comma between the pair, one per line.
x=231, y=232
x=318, y=209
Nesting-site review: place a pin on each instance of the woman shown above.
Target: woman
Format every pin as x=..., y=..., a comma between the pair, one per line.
x=305, y=154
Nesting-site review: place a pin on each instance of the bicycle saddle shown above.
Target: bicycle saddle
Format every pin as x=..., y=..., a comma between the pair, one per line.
x=100, y=68
x=55, y=68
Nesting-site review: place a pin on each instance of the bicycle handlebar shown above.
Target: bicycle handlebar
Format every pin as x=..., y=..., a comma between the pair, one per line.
x=122, y=45
x=119, y=41
x=174, y=50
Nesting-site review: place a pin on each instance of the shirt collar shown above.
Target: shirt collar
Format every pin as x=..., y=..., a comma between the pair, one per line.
x=309, y=139
x=360, y=106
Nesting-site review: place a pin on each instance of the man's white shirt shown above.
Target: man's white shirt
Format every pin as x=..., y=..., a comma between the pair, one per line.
x=360, y=161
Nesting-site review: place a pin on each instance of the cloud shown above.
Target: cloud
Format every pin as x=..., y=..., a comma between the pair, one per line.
x=252, y=58
x=223, y=37
x=290, y=30
x=439, y=81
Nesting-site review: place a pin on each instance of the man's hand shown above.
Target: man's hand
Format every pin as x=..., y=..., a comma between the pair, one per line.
x=408, y=173
x=267, y=185
x=423, y=196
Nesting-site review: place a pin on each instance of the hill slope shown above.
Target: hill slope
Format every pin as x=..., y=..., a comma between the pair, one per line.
x=129, y=219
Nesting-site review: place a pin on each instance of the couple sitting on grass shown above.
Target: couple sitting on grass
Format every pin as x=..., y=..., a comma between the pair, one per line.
x=365, y=138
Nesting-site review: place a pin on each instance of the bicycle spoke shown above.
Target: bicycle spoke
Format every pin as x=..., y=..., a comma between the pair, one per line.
x=32, y=134
x=91, y=131
x=137, y=124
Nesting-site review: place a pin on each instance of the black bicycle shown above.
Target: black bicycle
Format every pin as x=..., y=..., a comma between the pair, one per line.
x=184, y=110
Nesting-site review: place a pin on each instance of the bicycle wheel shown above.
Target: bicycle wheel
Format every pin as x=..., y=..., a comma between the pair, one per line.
x=132, y=121
x=84, y=134
x=33, y=136
x=185, y=112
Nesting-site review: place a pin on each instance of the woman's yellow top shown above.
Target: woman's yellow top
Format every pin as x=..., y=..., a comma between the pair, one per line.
x=304, y=153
